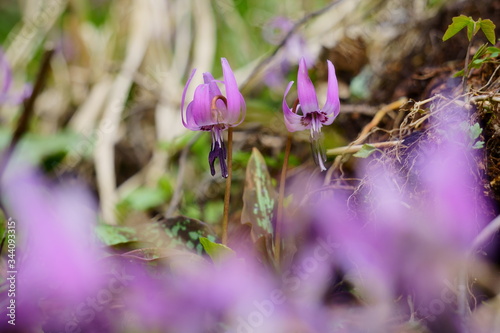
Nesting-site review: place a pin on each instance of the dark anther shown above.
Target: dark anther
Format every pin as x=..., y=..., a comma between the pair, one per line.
x=220, y=153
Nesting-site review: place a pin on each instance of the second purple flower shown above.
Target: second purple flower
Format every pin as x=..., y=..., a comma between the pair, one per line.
x=211, y=111
x=306, y=114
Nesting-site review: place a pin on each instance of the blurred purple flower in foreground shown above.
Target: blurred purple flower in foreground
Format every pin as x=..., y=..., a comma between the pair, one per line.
x=306, y=113
x=409, y=234
x=211, y=111
x=54, y=228
x=6, y=80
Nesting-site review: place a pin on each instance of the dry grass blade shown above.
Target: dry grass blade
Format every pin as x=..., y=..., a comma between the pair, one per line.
x=104, y=153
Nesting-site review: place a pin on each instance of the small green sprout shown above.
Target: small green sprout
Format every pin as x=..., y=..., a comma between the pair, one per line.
x=462, y=21
x=473, y=27
x=474, y=131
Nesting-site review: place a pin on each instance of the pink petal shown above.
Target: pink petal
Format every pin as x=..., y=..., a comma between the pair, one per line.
x=332, y=105
x=214, y=89
x=292, y=120
x=235, y=104
x=200, y=110
x=189, y=124
x=305, y=89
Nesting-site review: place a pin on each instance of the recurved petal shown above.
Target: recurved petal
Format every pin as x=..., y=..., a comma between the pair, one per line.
x=292, y=120
x=235, y=121
x=233, y=95
x=189, y=123
x=332, y=105
x=305, y=89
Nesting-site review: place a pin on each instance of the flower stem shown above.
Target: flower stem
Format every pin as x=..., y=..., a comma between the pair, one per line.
x=281, y=195
x=227, y=194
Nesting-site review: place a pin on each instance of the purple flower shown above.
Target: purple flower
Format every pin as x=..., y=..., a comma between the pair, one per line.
x=306, y=113
x=294, y=49
x=58, y=268
x=211, y=111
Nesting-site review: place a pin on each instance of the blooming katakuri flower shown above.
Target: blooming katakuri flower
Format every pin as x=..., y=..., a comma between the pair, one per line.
x=306, y=114
x=211, y=111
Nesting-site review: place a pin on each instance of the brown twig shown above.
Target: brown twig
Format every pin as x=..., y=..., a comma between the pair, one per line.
x=351, y=149
x=365, y=132
x=27, y=113
x=22, y=125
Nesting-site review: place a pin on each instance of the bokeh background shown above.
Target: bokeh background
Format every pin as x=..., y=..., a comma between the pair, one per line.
x=125, y=190
x=109, y=111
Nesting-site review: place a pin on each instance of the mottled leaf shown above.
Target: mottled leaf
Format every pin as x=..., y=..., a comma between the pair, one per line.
x=115, y=235
x=182, y=229
x=216, y=251
x=264, y=246
x=458, y=23
x=259, y=197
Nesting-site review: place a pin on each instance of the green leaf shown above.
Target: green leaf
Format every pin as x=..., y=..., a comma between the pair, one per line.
x=472, y=29
x=259, y=197
x=113, y=235
x=182, y=230
x=459, y=73
x=458, y=23
x=493, y=51
x=478, y=145
x=475, y=131
x=477, y=63
x=488, y=28
x=365, y=151
x=482, y=50
x=216, y=251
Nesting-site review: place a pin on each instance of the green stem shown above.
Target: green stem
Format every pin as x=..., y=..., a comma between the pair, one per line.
x=466, y=68
x=281, y=195
x=227, y=194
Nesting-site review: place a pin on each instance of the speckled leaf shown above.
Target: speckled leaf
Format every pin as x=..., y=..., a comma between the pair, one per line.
x=259, y=197
x=179, y=232
x=115, y=235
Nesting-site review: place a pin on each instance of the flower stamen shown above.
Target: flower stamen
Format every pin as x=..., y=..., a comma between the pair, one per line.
x=216, y=112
